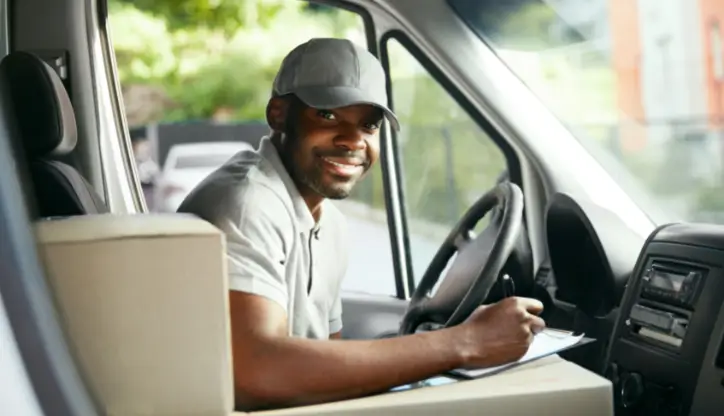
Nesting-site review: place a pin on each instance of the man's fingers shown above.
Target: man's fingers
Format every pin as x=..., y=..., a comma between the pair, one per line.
x=537, y=324
x=531, y=305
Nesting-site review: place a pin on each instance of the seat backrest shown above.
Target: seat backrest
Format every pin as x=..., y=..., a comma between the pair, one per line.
x=47, y=132
x=144, y=300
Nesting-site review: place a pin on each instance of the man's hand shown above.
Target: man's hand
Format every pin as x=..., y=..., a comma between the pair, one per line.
x=500, y=333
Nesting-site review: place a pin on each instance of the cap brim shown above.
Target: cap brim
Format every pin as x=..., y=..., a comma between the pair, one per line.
x=336, y=97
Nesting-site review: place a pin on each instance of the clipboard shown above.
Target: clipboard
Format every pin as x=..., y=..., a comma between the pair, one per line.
x=547, y=342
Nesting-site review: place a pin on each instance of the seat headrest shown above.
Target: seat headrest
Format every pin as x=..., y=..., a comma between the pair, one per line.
x=41, y=104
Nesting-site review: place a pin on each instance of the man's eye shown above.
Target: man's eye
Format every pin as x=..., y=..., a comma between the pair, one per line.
x=372, y=126
x=326, y=114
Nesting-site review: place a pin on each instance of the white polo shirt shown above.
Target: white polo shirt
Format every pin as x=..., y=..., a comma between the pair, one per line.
x=274, y=247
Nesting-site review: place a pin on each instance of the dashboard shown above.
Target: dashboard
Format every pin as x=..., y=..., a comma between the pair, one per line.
x=592, y=254
x=664, y=351
x=666, y=355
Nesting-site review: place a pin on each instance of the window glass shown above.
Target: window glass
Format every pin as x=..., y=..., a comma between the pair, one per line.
x=648, y=99
x=448, y=161
x=198, y=76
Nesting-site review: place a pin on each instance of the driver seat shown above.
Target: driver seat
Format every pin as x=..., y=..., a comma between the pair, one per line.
x=47, y=134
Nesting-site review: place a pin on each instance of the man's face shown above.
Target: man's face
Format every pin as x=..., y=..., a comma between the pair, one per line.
x=328, y=151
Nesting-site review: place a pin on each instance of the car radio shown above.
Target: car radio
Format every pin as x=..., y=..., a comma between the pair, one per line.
x=659, y=326
x=672, y=284
x=661, y=313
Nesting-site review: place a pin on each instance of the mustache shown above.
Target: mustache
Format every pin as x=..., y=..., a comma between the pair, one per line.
x=359, y=155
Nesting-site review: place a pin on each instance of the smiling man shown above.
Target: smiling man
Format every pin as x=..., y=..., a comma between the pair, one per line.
x=287, y=247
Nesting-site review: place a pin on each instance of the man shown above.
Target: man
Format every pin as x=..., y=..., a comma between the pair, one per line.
x=286, y=246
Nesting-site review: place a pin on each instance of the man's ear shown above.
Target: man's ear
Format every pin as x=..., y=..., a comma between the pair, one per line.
x=276, y=114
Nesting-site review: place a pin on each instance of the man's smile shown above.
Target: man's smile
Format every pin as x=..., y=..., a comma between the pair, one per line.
x=343, y=166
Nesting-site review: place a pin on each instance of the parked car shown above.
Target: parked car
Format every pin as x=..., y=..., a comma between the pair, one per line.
x=188, y=164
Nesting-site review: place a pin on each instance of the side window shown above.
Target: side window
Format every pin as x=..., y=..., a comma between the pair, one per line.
x=193, y=80
x=448, y=161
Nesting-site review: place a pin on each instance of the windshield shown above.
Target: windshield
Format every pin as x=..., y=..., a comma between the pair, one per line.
x=639, y=83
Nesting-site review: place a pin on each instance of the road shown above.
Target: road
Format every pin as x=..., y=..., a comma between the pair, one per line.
x=370, y=257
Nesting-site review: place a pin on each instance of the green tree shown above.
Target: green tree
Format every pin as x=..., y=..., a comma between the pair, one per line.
x=225, y=15
x=203, y=64
x=234, y=81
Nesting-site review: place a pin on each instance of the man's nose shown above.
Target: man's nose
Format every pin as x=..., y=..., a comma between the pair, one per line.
x=351, y=138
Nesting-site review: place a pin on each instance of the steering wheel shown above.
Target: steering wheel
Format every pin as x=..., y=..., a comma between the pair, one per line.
x=479, y=261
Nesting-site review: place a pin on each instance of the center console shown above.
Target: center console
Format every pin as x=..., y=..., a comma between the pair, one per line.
x=666, y=325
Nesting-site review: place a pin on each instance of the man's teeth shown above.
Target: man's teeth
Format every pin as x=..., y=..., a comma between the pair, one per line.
x=344, y=165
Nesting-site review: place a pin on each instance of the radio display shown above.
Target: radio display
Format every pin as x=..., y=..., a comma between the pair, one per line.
x=671, y=282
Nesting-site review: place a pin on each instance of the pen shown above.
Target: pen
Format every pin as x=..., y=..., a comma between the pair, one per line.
x=508, y=286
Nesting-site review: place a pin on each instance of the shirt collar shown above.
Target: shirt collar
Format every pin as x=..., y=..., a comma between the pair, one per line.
x=269, y=151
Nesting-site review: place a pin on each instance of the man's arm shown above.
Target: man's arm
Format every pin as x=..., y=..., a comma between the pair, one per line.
x=335, y=318
x=272, y=369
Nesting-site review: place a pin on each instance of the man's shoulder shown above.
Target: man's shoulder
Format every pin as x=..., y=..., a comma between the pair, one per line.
x=246, y=185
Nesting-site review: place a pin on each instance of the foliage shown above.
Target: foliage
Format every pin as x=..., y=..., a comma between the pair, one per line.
x=224, y=15
x=144, y=50
x=196, y=57
x=207, y=55
x=203, y=67
x=221, y=85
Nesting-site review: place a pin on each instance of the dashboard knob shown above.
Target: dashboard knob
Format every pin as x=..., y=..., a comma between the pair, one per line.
x=632, y=389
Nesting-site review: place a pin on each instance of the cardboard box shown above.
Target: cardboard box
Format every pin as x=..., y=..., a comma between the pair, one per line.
x=549, y=386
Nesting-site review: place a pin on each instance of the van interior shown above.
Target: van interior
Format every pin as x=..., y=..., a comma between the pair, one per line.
x=117, y=308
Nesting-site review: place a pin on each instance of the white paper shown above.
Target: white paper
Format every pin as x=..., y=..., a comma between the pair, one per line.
x=546, y=342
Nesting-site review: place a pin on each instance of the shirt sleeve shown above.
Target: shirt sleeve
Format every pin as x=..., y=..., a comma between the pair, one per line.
x=341, y=242
x=335, y=315
x=255, y=248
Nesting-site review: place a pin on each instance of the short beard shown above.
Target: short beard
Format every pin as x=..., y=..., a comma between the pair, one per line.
x=314, y=182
